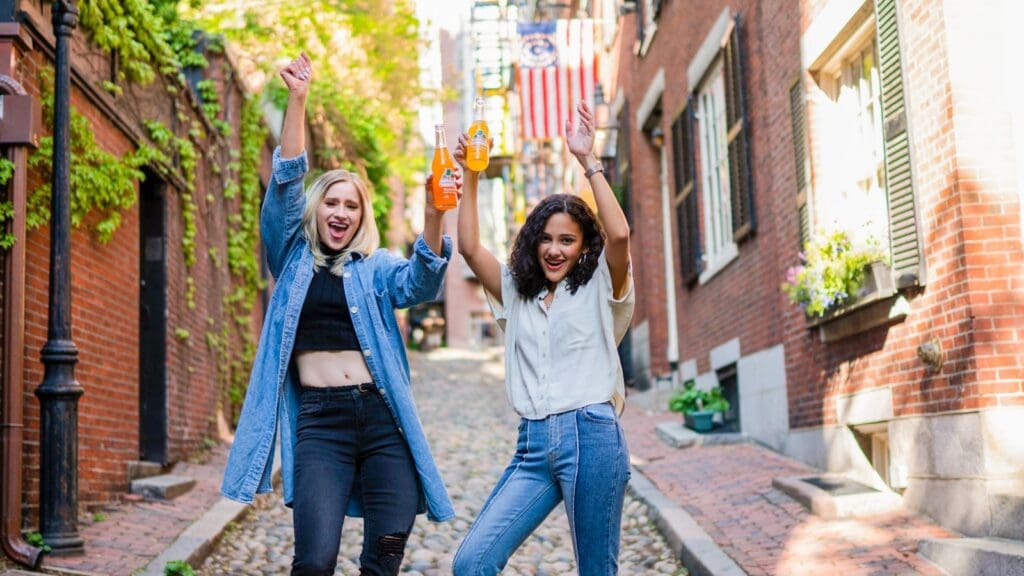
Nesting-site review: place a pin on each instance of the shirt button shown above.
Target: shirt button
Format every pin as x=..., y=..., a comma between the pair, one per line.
x=367, y=352
x=354, y=309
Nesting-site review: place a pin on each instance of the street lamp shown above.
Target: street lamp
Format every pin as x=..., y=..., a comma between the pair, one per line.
x=606, y=133
x=59, y=392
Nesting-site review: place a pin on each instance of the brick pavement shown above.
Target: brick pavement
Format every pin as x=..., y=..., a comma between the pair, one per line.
x=133, y=533
x=728, y=491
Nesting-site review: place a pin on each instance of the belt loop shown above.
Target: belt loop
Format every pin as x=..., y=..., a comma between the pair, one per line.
x=363, y=387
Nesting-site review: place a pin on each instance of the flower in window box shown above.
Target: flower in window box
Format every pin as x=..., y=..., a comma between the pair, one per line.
x=831, y=272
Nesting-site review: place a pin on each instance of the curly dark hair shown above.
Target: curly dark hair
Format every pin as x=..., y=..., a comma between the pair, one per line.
x=523, y=263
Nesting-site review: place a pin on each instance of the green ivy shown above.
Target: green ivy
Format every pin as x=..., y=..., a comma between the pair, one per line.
x=99, y=180
x=243, y=241
x=6, y=206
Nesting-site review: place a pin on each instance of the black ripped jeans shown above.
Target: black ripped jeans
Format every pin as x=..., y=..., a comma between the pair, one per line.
x=345, y=437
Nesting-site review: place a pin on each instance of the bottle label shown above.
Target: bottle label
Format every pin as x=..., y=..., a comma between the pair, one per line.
x=479, y=139
x=448, y=180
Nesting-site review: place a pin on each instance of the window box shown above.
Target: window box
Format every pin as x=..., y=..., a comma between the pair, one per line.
x=874, y=306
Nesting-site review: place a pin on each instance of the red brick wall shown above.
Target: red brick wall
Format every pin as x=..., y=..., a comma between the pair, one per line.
x=105, y=301
x=969, y=225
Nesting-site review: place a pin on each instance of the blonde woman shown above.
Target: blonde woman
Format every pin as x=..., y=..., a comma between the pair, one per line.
x=330, y=371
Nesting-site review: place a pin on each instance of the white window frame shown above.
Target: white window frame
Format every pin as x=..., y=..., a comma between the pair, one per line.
x=712, y=142
x=837, y=78
x=650, y=25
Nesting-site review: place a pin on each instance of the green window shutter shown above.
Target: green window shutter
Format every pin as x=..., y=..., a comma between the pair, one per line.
x=798, y=113
x=687, y=220
x=905, y=242
x=740, y=178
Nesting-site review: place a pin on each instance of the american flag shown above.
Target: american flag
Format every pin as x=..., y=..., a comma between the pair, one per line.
x=557, y=69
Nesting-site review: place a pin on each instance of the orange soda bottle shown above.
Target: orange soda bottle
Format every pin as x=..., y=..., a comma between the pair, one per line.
x=443, y=170
x=478, y=156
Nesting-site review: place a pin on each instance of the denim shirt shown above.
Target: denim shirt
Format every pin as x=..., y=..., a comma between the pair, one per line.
x=374, y=286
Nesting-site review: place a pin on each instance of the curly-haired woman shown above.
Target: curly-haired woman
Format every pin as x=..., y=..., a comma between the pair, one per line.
x=564, y=300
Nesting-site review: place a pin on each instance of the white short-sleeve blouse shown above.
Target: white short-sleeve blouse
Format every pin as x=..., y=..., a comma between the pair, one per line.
x=564, y=357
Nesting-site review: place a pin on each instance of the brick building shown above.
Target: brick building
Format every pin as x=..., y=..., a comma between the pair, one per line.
x=159, y=339
x=746, y=128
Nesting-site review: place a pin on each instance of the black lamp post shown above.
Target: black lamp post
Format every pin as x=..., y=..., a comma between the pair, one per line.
x=59, y=392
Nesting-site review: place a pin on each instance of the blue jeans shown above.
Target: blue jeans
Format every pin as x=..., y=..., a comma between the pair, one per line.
x=578, y=456
x=348, y=436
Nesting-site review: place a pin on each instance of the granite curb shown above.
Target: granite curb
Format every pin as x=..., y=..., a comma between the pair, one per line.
x=196, y=542
x=692, y=545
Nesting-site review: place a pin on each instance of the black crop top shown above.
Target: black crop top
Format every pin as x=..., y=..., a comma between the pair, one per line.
x=325, y=322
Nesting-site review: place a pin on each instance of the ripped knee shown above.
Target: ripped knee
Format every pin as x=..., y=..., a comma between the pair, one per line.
x=391, y=549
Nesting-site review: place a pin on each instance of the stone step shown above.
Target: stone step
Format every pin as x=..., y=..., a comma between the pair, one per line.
x=678, y=436
x=975, y=556
x=142, y=469
x=163, y=487
x=848, y=499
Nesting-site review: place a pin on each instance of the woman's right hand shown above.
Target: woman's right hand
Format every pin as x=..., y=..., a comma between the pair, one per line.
x=297, y=75
x=460, y=151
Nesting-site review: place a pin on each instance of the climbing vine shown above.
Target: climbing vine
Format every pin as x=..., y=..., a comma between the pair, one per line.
x=99, y=181
x=6, y=206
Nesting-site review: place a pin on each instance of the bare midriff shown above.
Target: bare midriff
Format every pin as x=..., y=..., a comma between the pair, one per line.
x=320, y=369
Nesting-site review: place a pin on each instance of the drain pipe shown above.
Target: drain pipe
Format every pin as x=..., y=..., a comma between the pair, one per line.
x=19, y=121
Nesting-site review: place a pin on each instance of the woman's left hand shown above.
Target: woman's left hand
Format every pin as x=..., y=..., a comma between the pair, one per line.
x=581, y=140
x=428, y=187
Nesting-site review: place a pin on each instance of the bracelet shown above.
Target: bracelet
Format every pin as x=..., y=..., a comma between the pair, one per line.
x=589, y=172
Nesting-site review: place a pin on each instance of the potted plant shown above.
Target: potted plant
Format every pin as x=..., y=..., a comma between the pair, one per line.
x=833, y=273
x=697, y=406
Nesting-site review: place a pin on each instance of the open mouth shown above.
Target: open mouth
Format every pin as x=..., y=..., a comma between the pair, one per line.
x=554, y=266
x=337, y=230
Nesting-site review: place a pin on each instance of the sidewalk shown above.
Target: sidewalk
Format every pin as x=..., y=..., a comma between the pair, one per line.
x=728, y=491
x=133, y=533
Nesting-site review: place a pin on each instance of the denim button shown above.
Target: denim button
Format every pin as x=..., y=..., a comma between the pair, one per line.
x=367, y=352
x=354, y=309
x=347, y=275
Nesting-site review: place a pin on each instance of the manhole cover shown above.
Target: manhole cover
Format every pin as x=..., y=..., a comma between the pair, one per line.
x=839, y=486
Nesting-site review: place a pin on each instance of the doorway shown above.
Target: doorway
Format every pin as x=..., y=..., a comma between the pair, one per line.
x=152, y=320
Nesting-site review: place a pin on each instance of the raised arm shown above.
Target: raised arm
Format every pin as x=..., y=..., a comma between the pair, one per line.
x=483, y=264
x=296, y=76
x=581, y=143
x=284, y=203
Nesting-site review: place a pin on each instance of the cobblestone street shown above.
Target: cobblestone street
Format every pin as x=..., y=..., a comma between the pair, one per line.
x=471, y=429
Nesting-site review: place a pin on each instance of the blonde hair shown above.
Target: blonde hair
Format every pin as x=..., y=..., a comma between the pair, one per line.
x=367, y=237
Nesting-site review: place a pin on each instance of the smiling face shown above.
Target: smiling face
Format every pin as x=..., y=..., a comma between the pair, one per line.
x=339, y=215
x=560, y=247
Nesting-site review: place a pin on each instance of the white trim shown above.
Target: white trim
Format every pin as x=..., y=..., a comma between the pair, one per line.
x=688, y=370
x=650, y=100
x=728, y=353
x=729, y=253
x=672, y=352
x=826, y=28
x=709, y=48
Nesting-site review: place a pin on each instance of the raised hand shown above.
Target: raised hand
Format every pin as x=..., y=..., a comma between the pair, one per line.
x=581, y=140
x=460, y=151
x=429, y=188
x=297, y=75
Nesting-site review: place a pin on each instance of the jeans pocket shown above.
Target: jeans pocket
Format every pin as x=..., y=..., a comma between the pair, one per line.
x=311, y=407
x=600, y=413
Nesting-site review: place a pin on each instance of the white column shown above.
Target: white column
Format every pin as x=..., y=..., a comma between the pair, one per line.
x=670, y=274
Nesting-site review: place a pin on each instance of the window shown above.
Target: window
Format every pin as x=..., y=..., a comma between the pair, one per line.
x=647, y=25
x=714, y=173
x=858, y=138
x=850, y=183
x=711, y=158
